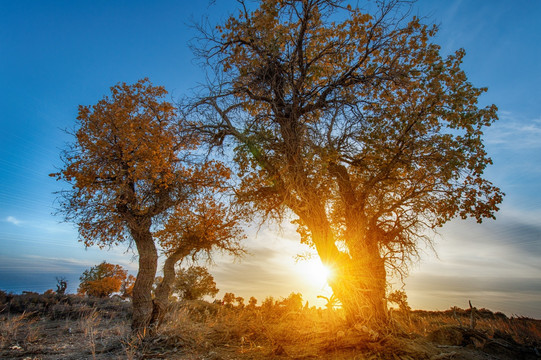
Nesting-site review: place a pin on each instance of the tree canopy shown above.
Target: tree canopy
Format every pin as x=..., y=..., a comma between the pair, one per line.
x=194, y=282
x=102, y=280
x=353, y=122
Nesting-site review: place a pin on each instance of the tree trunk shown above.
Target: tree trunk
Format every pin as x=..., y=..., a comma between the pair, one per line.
x=360, y=285
x=163, y=290
x=358, y=280
x=142, y=289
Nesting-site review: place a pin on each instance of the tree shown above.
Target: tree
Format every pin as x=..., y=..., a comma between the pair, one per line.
x=204, y=225
x=400, y=298
x=130, y=168
x=228, y=299
x=61, y=285
x=194, y=282
x=293, y=302
x=356, y=125
x=102, y=280
x=252, y=302
x=240, y=302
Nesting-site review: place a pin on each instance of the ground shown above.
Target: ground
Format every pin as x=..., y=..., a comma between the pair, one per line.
x=72, y=327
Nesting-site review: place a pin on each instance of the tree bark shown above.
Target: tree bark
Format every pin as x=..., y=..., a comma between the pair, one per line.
x=358, y=279
x=142, y=289
x=361, y=289
x=164, y=288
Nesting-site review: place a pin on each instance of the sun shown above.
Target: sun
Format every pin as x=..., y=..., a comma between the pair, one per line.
x=314, y=271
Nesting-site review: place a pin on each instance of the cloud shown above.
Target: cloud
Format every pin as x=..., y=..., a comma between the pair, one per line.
x=39, y=273
x=495, y=264
x=511, y=295
x=485, y=284
x=508, y=236
x=264, y=269
x=514, y=132
x=268, y=270
x=14, y=220
x=32, y=264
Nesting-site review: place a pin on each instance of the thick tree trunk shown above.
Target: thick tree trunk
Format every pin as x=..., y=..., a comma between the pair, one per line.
x=163, y=290
x=142, y=289
x=359, y=278
x=360, y=286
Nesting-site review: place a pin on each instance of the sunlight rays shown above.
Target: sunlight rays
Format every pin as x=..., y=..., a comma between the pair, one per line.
x=314, y=271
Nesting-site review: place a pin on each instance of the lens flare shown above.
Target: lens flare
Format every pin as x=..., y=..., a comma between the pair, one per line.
x=314, y=271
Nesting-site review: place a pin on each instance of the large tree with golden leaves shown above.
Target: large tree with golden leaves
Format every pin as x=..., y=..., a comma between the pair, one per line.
x=354, y=123
x=131, y=168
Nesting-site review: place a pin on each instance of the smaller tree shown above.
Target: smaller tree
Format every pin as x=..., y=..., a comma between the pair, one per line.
x=194, y=282
x=102, y=280
x=228, y=299
x=252, y=303
x=61, y=285
x=240, y=302
x=400, y=298
x=293, y=302
x=130, y=165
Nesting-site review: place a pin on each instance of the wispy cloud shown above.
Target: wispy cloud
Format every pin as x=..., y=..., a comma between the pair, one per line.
x=31, y=264
x=513, y=131
x=495, y=264
x=511, y=295
x=14, y=220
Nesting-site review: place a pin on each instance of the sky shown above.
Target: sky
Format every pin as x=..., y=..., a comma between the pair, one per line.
x=58, y=54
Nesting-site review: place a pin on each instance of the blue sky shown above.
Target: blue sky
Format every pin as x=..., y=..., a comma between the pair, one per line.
x=58, y=54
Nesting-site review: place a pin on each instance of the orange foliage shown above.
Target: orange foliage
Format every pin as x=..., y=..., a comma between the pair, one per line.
x=204, y=225
x=102, y=280
x=360, y=127
x=125, y=160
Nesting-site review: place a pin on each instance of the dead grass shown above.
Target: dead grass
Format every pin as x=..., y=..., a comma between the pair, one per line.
x=522, y=330
x=18, y=330
x=68, y=327
x=199, y=330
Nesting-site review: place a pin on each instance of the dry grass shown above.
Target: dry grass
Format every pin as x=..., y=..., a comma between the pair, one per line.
x=522, y=330
x=67, y=327
x=99, y=329
x=18, y=330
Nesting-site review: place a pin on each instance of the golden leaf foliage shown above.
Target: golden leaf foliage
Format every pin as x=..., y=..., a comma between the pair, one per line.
x=132, y=159
x=360, y=120
x=355, y=123
x=202, y=226
x=102, y=280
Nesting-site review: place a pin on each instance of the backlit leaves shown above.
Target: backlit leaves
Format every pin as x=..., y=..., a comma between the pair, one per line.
x=353, y=121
